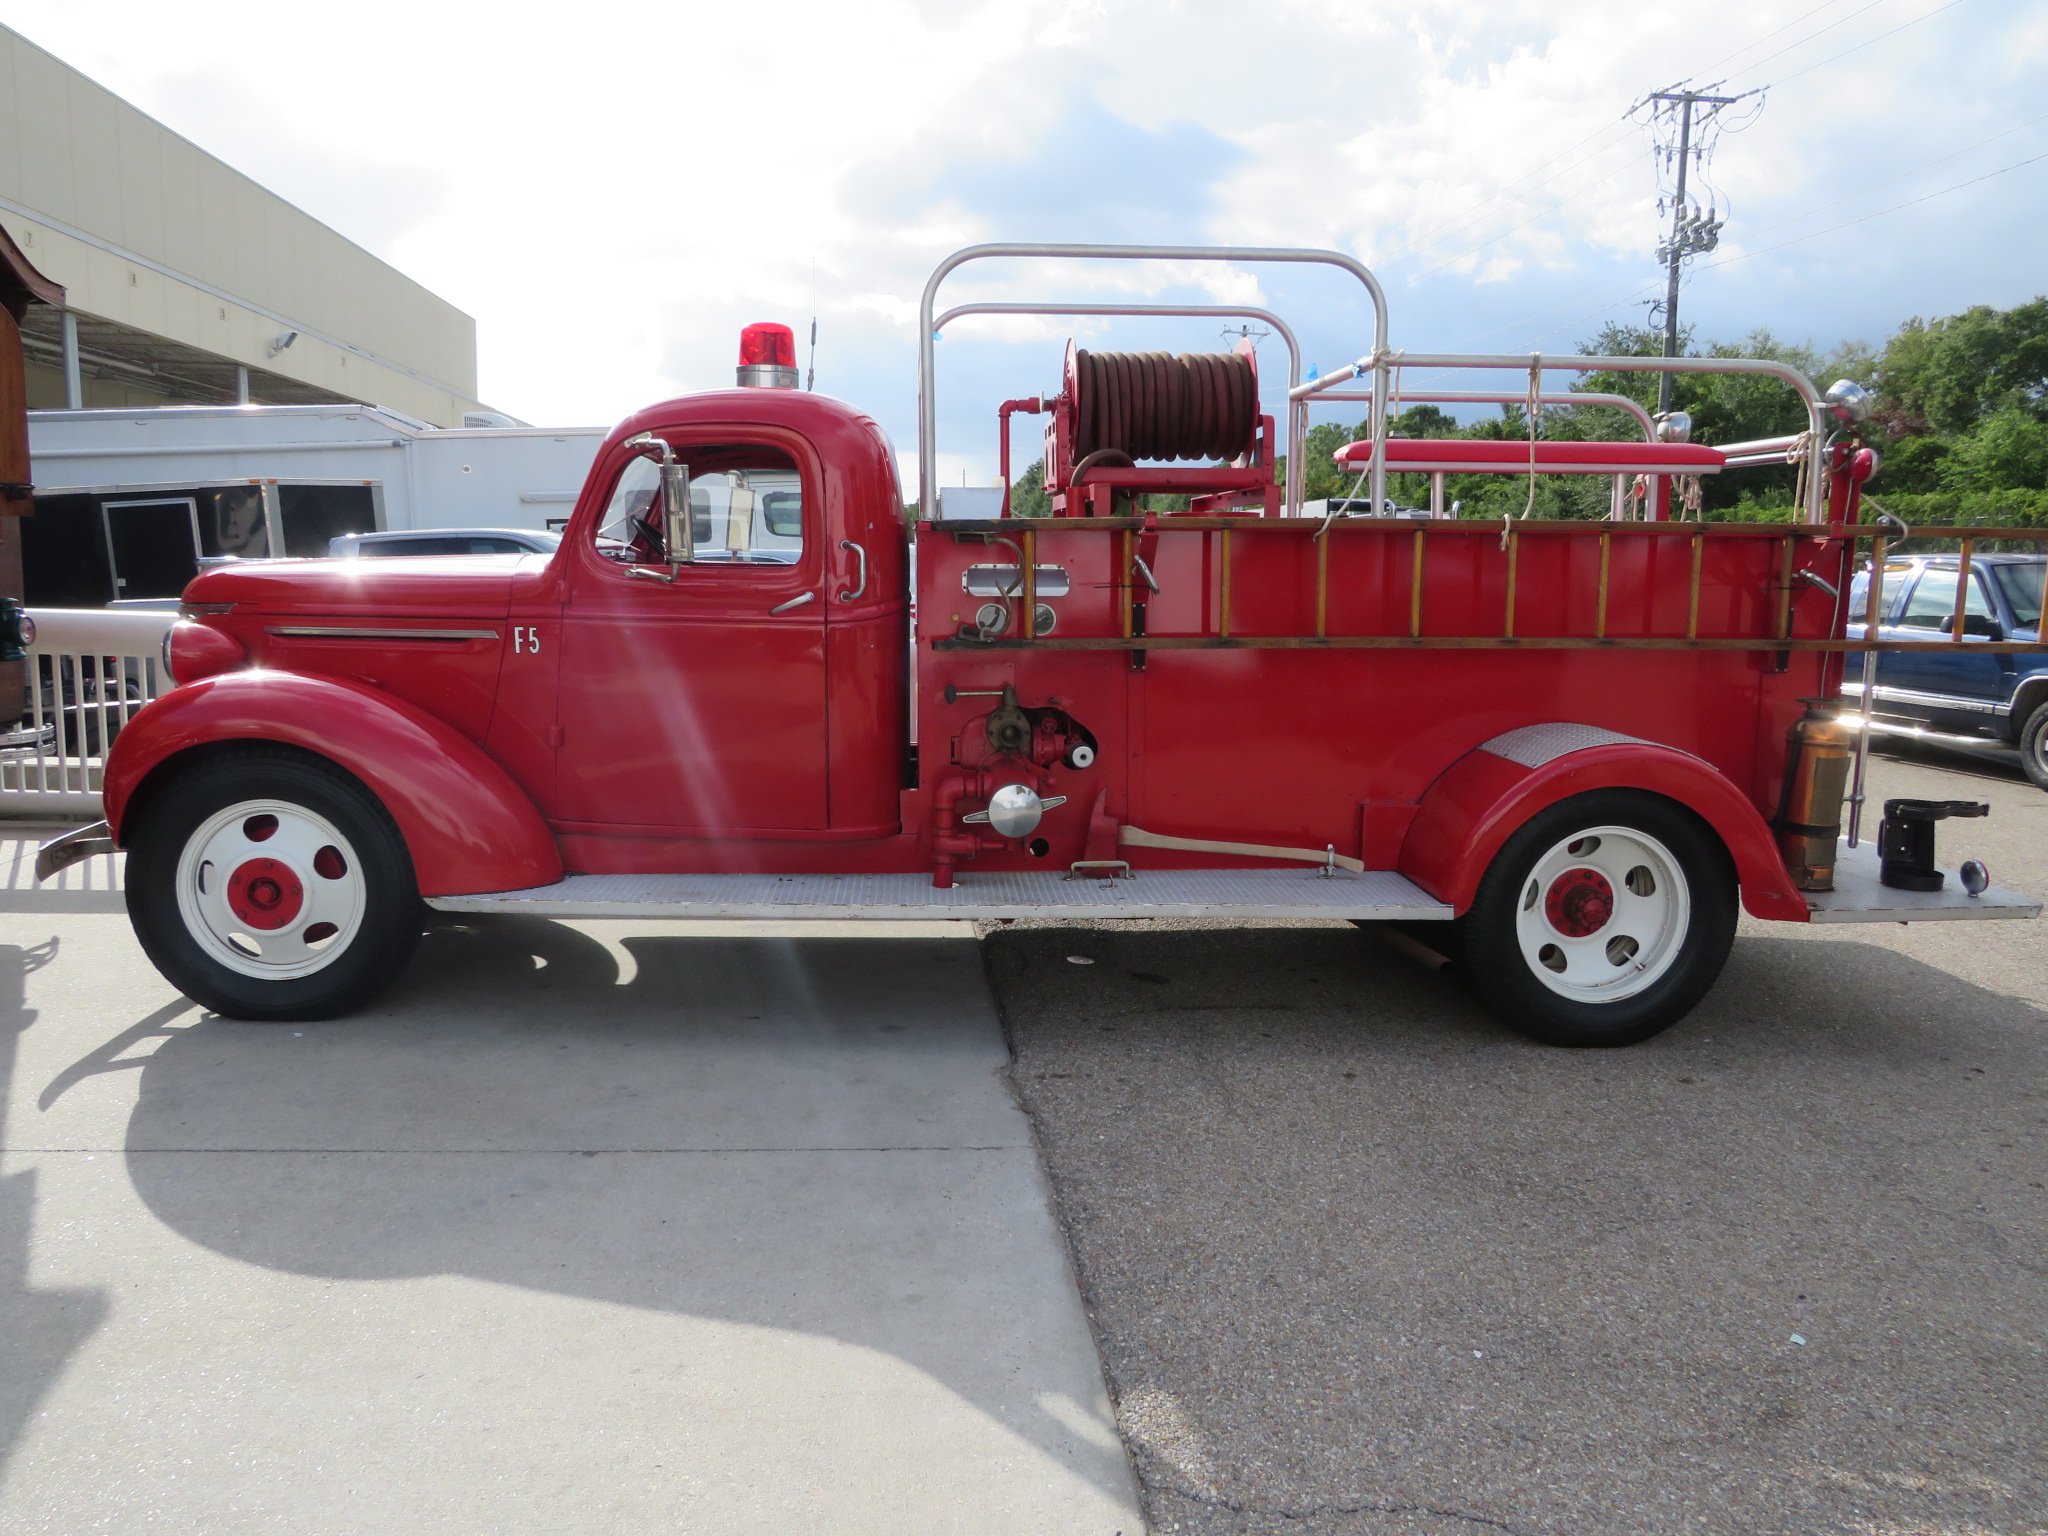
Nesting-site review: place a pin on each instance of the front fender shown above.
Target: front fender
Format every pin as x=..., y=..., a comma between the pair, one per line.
x=1477, y=803
x=469, y=827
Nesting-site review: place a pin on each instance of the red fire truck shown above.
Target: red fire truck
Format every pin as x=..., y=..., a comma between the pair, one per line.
x=746, y=686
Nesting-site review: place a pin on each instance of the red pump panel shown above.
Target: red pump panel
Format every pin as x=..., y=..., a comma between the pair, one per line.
x=468, y=826
x=1481, y=799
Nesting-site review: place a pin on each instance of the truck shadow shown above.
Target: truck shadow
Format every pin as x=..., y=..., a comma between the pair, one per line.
x=40, y=1329
x=800, y=1135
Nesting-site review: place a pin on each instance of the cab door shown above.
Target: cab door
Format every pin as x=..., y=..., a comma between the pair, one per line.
x=1959, y=687
x=692, y=695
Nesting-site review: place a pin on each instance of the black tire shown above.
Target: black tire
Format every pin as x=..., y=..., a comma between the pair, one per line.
x=376, y=891
x=1679, y=929
x=2033, y=745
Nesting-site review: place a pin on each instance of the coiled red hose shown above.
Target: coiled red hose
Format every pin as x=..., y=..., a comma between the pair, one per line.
x=1199, y=405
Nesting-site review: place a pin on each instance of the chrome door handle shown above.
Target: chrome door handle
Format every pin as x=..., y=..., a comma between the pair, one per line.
x=795, y=602
x=861, y=590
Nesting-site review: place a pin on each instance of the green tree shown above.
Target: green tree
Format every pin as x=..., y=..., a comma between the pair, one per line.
x=2007, y=450
x=1943, y=376
x=1028, y=496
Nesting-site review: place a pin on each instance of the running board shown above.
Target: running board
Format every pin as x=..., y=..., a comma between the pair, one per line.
x=1860, y=897
x=1375, y=895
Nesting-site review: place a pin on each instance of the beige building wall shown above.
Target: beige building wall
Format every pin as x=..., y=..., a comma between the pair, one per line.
x=148, y=231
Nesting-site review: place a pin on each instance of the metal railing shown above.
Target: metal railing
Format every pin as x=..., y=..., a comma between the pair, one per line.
x=89, y=671
x=1379, y=363
x=1492, y=543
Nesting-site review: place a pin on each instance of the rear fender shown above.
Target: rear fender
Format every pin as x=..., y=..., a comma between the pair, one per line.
x=468, y=826
x=1477, y=803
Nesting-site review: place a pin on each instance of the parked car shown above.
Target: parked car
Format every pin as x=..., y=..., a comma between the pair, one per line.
x=1968, y=691
x=444, y=541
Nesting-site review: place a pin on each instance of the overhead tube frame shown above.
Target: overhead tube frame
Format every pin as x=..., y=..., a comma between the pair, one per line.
x=1222, y=311
x=1297, y=415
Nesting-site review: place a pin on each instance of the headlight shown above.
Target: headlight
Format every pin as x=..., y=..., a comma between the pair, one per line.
x=1674, y=427
x=193, y=651
x=1849, y=400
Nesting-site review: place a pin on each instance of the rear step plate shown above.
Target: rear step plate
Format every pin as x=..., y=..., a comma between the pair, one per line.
x=1233, y=893
x=1860, y=897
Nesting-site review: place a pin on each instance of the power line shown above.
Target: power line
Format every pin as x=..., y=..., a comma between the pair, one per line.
x=1930, y=165
x=1952, y=4
x=1787, y=27
x=1436, y=235
x=1643, y=288
x=1692, y=233
x=1944, y=192
x=1791, y=47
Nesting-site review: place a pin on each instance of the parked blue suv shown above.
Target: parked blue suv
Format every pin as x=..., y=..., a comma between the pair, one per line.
x=1966, y=691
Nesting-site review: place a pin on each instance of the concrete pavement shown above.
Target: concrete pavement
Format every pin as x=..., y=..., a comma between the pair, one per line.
x=585, y=1228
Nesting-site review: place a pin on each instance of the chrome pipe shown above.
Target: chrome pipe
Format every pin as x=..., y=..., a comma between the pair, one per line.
x=927, y=404
x=1512, y=397
x=1226, y=311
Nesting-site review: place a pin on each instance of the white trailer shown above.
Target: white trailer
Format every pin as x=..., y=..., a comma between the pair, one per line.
x=129, y=501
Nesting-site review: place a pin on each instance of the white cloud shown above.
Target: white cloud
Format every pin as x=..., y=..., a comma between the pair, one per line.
x=614, y=194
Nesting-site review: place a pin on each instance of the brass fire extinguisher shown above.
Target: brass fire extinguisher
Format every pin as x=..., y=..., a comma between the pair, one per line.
x=1810, y=824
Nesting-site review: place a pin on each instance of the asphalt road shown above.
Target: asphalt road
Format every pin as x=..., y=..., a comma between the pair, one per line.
x=1361, y=1261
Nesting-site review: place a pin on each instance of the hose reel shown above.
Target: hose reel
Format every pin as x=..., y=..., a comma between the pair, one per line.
x=1149, y=405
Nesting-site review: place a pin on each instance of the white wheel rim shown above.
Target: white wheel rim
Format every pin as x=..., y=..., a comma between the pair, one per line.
x=1603, y=914
x=271, y=890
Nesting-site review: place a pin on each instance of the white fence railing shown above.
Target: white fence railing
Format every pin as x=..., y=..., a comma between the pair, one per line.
x=89, y=671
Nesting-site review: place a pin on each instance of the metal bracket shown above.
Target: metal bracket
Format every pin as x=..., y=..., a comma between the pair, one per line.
x=1116, y=869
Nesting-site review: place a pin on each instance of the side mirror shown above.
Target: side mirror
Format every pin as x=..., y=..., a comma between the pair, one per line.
x=1980, y=625
x=680, y=531
x=677, y=532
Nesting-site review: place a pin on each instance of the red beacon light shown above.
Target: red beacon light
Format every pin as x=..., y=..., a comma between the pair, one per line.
x=767, y=356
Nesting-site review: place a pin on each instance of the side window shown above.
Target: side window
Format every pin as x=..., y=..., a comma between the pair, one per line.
x=1895, y=574
x=1933, y=601
x=746, y=508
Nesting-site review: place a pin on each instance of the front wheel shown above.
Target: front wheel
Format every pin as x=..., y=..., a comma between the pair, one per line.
x=1602, y=921
x=270, y=885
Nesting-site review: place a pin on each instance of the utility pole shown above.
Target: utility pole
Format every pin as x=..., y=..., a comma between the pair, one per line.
x=1692, y=232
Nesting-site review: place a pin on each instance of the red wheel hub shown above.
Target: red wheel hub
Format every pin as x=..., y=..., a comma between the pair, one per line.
x=265, y=894
x=1579, y=903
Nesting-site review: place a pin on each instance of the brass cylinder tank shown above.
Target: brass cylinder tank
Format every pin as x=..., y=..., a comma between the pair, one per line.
x=1817, y=775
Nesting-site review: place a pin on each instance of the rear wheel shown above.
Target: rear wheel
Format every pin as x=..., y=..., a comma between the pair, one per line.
x=2033, y=745
x=271, y=885
x=1602, y=921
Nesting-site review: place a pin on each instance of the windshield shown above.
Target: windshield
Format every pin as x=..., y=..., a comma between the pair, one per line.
x=2021, y=585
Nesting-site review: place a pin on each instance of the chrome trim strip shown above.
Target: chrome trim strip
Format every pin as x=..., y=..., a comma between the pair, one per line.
x=350, y=632
x=1940, y=700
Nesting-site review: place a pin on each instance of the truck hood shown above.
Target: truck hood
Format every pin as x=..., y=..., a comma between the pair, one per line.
x=424, y=586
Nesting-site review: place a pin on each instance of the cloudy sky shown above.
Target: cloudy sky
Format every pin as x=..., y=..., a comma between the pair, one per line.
x=612, y=189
